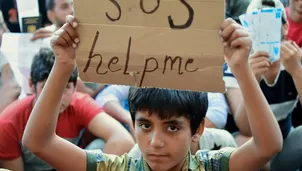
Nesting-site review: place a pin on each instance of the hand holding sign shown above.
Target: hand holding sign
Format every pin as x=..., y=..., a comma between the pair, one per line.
x=64, y=42
x=237, y=43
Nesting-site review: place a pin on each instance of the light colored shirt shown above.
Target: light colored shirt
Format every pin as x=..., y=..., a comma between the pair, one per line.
x=201, y=161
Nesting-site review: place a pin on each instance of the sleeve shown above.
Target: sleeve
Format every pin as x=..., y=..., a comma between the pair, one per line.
x=218, y=109
x=99, y=161
x=9, y=144
x=229, y=78
x=86, y=110
x=215, y=160
x=113, y=93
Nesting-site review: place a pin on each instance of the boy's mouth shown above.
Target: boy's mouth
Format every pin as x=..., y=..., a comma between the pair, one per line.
x=157, y=156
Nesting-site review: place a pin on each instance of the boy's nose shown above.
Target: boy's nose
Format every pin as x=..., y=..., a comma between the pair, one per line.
x=156, y=140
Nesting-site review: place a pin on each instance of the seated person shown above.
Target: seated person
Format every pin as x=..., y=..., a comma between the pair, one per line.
x=165, y=120
x=281, y=83
x=294, y=16
x=77, y=111
x=114, y=100
x=9, y=88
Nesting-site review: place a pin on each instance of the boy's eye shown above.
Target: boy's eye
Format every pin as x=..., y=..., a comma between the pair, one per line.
x=145, y=126
x=172, y=129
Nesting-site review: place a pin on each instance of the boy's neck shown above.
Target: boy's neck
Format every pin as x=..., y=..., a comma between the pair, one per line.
x=183, y=166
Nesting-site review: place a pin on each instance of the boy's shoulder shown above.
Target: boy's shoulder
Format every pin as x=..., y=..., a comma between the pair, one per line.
x=97, y=161
x=212, y=160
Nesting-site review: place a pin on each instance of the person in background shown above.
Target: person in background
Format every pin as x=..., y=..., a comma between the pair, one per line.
x=77, y=111
x=294, y=16
x=235, y=8
x=57, y=10
x=281, y=83
x=165, y=120
x=10, y=15
x=9, y=88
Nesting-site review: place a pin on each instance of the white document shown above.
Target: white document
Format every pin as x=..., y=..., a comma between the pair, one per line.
x=264, y=27
x=27, y=8
x=20, y=51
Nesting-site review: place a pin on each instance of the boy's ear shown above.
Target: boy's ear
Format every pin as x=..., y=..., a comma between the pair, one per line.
x=51, y=16
x=199, y=132
x=32, y=86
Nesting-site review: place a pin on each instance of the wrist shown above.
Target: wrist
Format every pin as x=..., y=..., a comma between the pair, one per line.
x=63, y=68
x=297, y=73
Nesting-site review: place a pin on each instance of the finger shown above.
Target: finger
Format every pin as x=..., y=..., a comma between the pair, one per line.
x=228, y=31
x=296, y=46
x=290, y=46
x=262, y=64
x=285, y=53
x=260, y=71
x=260, y=54
x=226, y=23
x=58, y=40
x=65, y=36
x=70, y=28
x=259, y=59
x=71, y=32
x=237, y=33
x=71, y=20
x=242, y=42
x=41, y=36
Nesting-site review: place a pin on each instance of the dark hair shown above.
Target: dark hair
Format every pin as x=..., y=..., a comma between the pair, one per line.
x=167, y=103
x=272, y=4
x=49, y=5
x=42, y=64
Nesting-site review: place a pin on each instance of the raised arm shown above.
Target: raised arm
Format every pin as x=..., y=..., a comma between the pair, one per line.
x=39, y=135
x=267, y=138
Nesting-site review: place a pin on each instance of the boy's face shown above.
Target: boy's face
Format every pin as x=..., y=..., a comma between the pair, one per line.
x=67, y=95
x=164, y=143
x=296, y=5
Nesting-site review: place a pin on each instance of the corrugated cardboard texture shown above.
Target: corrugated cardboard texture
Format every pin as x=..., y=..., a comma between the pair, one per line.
x=141, y=49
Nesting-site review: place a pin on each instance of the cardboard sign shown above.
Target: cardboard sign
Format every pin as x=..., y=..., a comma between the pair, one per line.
x=151, y=43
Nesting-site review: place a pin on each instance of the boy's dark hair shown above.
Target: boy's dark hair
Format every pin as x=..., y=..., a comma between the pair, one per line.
x=167, y=103
x=272, y=4
x=42, y=64
x=49, y=5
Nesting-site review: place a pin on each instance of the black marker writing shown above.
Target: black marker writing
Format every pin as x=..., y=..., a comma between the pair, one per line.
x=141, y=3
x=189, y=21
x=119, y=12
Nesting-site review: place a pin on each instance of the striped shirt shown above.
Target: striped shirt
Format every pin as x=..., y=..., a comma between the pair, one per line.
x=282, y=96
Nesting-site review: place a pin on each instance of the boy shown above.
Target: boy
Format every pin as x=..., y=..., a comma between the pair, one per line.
x=77, y=111
x=166, y=121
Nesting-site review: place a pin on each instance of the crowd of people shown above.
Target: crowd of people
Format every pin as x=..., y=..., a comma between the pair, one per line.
x=68, y=124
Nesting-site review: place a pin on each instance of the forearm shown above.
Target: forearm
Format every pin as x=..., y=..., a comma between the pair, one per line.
x=263, y=124
x=116, y=145
x=114, y=109
x=298, y=84
x=242, y=120
x=41, y=126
